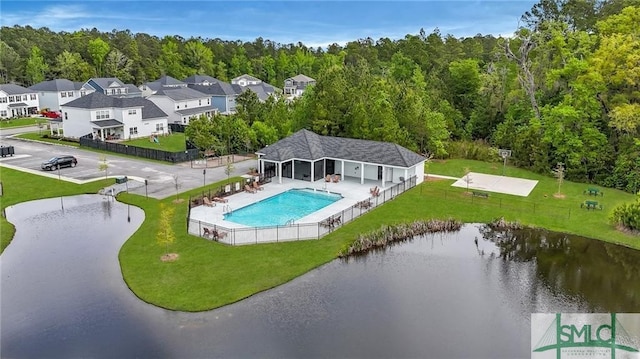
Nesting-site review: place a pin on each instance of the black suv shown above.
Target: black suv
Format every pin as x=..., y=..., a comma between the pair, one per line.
x=58, y=162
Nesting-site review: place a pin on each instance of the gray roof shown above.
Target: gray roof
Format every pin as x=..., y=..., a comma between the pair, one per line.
x=132, y=89
x=301, y=78
x=18, y=105
x=196, y=110
x=218, y=89
x=167, y=81
x=99, y=100
x=307, y=145
x=199, y=79
x=12, y=89
x=107, y=123
x=57, y=85
x=180, y=93
x=262, y=90
x=106, y=82
x=246, y=77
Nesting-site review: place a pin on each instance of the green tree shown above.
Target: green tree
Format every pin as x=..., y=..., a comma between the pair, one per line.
x=36, y=68
x=165, y=235
x=198, y=57
x=202, y=132
x=103, y=166
x=170, y=60
x=98, y=50
x=71, y=66
x=118, y=65
x=9, y=63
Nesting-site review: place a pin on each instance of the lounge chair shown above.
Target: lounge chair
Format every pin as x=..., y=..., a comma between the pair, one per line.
x=377, y=192
x=257, y=186
x=207, y=232
x=249, y=189
x=327, y=178
x=336, y=178
x=373, y=190
x=220, y=199
x=219, y=234
x=207, y=202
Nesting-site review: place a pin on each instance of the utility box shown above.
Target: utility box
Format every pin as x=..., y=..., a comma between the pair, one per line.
x=121, y=179
x=7, y=151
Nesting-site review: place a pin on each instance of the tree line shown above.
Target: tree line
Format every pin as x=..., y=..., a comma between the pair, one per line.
x=564, y=89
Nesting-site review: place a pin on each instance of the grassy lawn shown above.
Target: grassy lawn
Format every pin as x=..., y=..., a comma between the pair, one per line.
x=209, y=275
x=171, y=143
x=23, y=187
x=21, y=122
x=38, y=137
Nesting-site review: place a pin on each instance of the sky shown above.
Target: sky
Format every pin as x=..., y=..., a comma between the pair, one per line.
x=313, y=23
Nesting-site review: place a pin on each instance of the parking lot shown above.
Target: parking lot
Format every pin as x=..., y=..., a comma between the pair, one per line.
x=29, y=156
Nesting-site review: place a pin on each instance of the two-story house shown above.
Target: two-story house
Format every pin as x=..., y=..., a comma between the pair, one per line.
x=182, y=103
x=223, y=94
x=113, y=87
x=295, y=86
x=262, y=89
x=108, y=117
x=17, y=101
x=149, y=88
x=55, y=93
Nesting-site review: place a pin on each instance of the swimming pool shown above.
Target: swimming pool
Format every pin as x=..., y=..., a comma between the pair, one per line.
x=281, y=208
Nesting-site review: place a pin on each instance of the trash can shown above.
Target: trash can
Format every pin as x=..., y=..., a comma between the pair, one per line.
x=121, y=179
x=6, y=151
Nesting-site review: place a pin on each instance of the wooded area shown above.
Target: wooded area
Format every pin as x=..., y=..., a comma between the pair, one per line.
x=565, y=89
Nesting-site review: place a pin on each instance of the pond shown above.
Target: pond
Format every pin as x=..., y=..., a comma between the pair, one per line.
x=438, y=296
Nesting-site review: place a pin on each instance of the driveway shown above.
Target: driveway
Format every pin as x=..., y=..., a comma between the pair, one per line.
x=160, y=176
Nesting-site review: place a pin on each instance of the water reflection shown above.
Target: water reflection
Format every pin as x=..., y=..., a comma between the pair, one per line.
x=605, y=276
x=441, y=296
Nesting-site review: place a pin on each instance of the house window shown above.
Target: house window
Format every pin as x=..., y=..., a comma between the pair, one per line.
x=178, y=107
x=24, y=98
x=63, y=94
x=3, y=99
x=133, y=131
x=132, y=112
x=208, y=101
x=102, y=114
x=199, y=102
x=70, y=94
x=12, y=99
x=66, y=116
x=3, y=113
x=83, y=92
x=119, y=91
x=159, y=127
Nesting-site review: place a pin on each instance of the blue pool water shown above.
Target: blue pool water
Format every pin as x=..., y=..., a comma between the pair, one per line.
x=277, y=210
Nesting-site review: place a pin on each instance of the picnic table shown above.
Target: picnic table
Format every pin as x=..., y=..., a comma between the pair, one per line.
x=592, y=191
x=590, y=205
x=480, y=194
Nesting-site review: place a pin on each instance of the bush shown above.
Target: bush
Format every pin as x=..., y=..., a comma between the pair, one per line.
x=478, y=150
x=627, y=216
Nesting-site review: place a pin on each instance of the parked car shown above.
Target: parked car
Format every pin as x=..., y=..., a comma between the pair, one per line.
x=59, y=162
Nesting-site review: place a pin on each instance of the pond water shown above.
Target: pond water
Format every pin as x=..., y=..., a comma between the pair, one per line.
x=439, y=296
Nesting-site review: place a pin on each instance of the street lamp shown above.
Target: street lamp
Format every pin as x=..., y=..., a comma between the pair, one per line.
x=204, y=177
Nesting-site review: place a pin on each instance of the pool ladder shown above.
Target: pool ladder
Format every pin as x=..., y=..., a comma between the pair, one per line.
x=227, y=209
x=289, y=222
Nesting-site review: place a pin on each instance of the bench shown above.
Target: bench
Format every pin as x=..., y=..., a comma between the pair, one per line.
x=590, y=205
x=480, y=194
x=593, y=191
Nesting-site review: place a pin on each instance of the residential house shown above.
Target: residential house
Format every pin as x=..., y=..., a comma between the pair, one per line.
x=17, y=101
x=223, y=94
x=113, y=87
x=149, y=88
x=262, y=89
x=55, y=93
x=108, y=117
x=295, y=86
x=308, y=156
x=182, y=103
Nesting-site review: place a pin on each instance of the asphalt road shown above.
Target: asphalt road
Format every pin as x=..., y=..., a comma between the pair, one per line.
x=161, y=177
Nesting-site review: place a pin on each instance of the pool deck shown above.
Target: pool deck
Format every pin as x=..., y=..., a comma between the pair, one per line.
x=351, y=191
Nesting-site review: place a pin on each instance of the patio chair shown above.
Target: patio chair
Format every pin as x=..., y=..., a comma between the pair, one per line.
x=249, y=189
x=257, y=186
x=207, y=202
x=327, y=178
x=220, y=199
x=206, y=232
x=336, y=178
x=373, y=190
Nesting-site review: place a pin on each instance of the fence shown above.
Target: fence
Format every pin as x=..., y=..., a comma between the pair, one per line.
x=294, y=232
x=183, y=156
x=509, y=205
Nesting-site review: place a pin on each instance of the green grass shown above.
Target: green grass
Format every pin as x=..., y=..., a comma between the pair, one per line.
x=35, y=136
x=171, y=143
x=21, y=122
x=209, y=275
x=21, y=187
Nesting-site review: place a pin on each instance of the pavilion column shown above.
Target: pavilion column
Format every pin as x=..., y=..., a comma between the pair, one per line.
x=361, y=173
x=383, y=174
x=293, y=169
x=279, y=172
x=405, y=174
x=342, y=169
x=312, y=168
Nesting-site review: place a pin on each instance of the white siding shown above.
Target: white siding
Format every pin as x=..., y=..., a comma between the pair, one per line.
x=76, y=122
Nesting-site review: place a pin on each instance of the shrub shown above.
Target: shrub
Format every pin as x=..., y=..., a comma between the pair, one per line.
x=627, y=216
x=473, y=150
